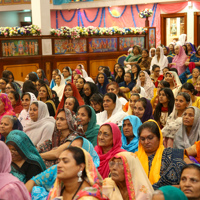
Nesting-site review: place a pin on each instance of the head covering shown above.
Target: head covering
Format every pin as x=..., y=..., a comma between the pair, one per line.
x=87, y=145
x=172, y=193
x=52, y=84
x=93, y=89
x=192, y=46
x=117, y=115
x=93, y=128
x=85, y=75
x=24, y=117
x=76, y=94
x=176, y=80
x=60, y=89
x=154, y=173
x=163, y=61
x=137, y=183
x=17, y=188
x=182, y=39
x=102, y=88
x=89, y=79
x=17, y=88
x=93, y=179
x=23, y=144
x=42, y=129
x=7, y=105
x=150, y=51
x=133, y=145
x=142, y=92
x=148, y=112
x=104, y=158
x=148, y=85
x=180, y=60
x=182, y=141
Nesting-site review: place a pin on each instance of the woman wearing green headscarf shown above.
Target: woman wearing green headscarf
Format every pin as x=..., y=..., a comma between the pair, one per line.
x=26, y=161
x=134, y=56
x=86, y=116
x=169, y=193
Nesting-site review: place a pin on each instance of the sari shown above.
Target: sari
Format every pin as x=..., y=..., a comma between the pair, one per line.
x=50, y=104
x=180, y=60
x=8, y=109
x=148, y=85
x=42, y=129
x=104, y=158
x=137, y=183
x=117, y=115
x=24, y=116
x=144, y=63
x=162, y=63
x=93, y=179
x=60, y=88
x=133, y=145
x=172, y=193
x=182, y=140
x=46, y=179
x=133, y=58
x=28, y=152
x=10, y=186
x=158, y=166
x=75, y=94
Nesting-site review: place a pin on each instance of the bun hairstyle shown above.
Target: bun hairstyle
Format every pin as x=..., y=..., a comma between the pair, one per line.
x=190, y=87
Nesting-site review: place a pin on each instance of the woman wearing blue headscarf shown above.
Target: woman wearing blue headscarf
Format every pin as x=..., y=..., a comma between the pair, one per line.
x=130, y=138
x=102, y=82
x=43, y=182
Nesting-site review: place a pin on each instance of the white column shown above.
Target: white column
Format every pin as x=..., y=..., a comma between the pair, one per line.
x=190, y=24
x=41, y=17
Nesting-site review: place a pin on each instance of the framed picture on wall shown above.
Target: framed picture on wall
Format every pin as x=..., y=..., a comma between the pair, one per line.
x=11, y=48
x=152, y=37
x=17, y=1
x=102, y=44
x=66, y=46
x=7, y=1
x=127, y=42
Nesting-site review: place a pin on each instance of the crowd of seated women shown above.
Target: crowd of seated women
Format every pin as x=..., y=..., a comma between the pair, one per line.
x=133, y=133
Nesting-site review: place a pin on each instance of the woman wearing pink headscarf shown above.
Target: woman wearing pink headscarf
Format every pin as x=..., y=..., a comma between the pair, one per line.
x=108, y=145
x=10, y=186
x=179, y=60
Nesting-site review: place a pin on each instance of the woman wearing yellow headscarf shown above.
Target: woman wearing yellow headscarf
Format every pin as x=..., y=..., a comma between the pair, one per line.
x=162, y=166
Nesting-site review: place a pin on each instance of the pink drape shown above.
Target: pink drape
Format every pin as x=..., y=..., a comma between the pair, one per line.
x=173, y=7
x=197, y=5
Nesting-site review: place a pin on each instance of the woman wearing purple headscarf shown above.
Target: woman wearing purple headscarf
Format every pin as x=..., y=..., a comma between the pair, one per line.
x=10, y=186
x=143, y=109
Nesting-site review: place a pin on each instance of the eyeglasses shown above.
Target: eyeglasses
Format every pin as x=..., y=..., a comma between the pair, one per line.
x=118, y=164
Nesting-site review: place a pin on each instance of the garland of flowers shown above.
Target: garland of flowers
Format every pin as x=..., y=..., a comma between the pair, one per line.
x=91, y=21
x=119, y=15
x=31, y=30
x=77, y=32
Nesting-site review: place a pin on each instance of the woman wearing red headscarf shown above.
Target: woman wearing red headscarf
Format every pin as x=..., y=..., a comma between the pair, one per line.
x=108, y=145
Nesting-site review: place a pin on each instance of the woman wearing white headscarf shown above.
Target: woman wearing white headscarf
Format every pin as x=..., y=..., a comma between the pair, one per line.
x=159, y=59
x=27, y=99
x=112, y=110
x=60, y=85
x=182, y=39
x=82, y=69
x=189, y=132
x=41, y=126
x=145, y=81
x=152, y=52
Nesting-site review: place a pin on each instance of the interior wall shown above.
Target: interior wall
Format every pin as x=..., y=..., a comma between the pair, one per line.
x=9, y=19
x=22, y=15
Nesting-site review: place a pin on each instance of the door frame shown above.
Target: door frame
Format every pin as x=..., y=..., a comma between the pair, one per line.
x=196, y=15
x=163, y=24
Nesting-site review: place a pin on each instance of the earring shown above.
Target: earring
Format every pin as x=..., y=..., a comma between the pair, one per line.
x=79, y=176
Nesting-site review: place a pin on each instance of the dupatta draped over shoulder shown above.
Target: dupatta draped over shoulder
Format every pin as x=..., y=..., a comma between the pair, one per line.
x=182, y=141
x=104, y=158
x=180, y=60
x=133, y=145
x=137, y=182
x=10, y=186
x=158, y=167
x=117, y=115
x=43, y=128
x=93, y=178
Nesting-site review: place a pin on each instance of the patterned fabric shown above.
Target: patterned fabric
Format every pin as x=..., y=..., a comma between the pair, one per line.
x=26, y=149
x=171, y=165
x=94, y=179
x=8, y=109
x=137, y=183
